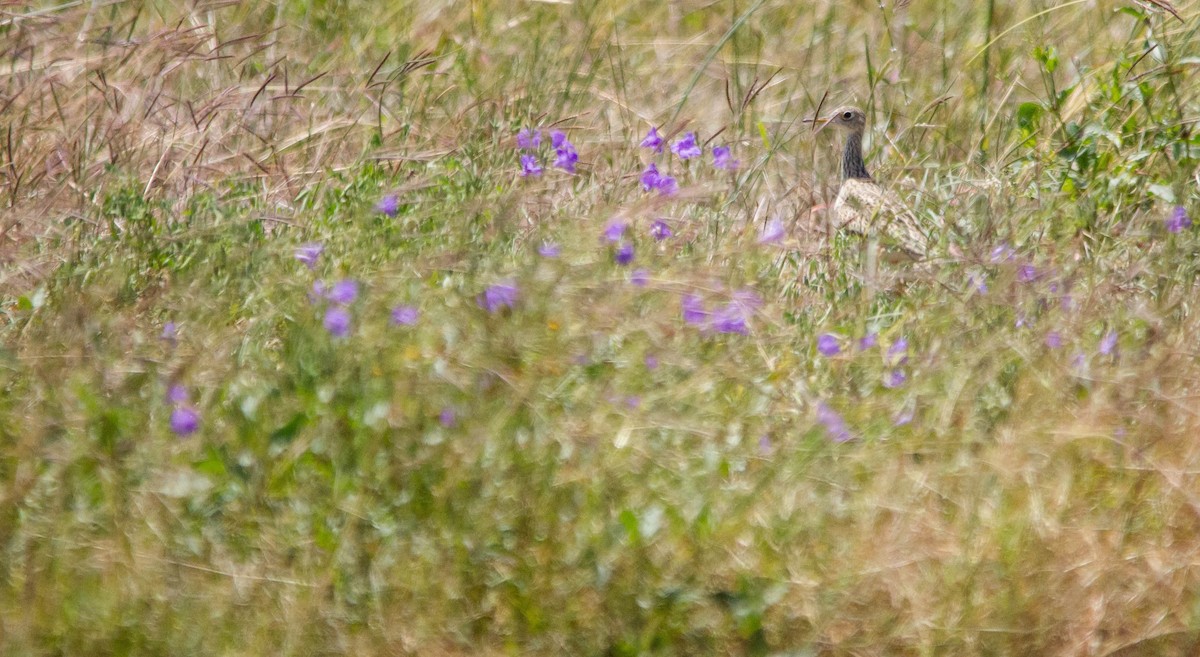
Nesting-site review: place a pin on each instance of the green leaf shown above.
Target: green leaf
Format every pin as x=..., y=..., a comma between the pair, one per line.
x=630, y=522
x=1163, y=192
x=1028, y=115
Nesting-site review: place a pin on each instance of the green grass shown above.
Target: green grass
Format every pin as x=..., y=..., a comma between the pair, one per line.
x=615, y=480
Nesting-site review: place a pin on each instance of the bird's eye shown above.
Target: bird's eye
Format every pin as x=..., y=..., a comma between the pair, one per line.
x=847, y=115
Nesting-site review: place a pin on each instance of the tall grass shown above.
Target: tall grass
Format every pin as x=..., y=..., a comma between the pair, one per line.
x=587, y=472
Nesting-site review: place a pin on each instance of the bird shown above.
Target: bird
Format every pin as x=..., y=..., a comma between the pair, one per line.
x=863, y=205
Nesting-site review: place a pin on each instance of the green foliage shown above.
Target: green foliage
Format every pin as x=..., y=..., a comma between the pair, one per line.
x=586, y=472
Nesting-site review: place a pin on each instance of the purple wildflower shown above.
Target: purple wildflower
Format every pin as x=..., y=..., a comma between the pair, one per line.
x=565, y=158
x=650, y=177
x=827, y=345
x=904, y=416
x=1027, y=273
x=1079, y=362
x=1023, y=321
x=389, y=205
x=549, y=250
x=318, y=291
x=1054, y=339
x=177, y=394
x=558, y=138
x=448, y=418
x=764, y=444
x=633, y=401
x=615, y=230
x=653, y=141
x=723, y=160
x=772, y=233
x=501, y=295
x=651, y=361
x=565, y=155
x=530, y=166
x=344, y=292
x=898, y=352
x=730, y=318
x=694, y=311
x=624, y=254
x=309, y=253
x=659, y=230
x=184, y=421
x=639, y=277
x=1178, y=220
x=686, y=148
x=529, y=138
x=894, y=378
x=1002, y=252
x=1108, y=343
x=337, y=322
x=403, y=315
x=170, y=333
x=868, y=341
x=835, y=426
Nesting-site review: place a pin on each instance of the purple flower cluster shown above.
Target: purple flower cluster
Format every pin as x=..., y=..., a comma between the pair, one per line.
x=868, y=341
x=184, y=419
x=1179, y=220
x=835, y=425
x=723, y=159
x=1108, y=343
x=624, y=254
x=687, y=148
x=404, y=315
x=565, y=154
x=529, y=138
x=694, y=312
x=772, y=233
x=309, y=253
x=659, y=230
x=339, y=295
x=730, y=317
x=530, y=166
x=343, y=292
x=1054, y=340
x=337, y=321
x=653, y=141
x=389, y=206
x=827, y=345
x=615, y=230
x=652, y=179
x=499, y=296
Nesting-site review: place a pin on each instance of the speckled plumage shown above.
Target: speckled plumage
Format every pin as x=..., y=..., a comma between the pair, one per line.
x=863, y=205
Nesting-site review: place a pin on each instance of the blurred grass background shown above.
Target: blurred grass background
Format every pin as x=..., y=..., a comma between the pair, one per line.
x=586, y=473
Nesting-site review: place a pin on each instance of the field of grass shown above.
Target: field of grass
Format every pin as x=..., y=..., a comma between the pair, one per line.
x=295, y=361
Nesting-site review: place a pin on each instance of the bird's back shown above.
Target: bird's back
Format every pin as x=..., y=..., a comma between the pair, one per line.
x=864, y=207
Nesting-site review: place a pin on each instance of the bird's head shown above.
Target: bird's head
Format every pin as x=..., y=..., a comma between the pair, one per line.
x=847, y=118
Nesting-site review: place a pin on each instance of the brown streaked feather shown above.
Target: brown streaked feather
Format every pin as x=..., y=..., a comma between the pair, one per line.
x=862, y=206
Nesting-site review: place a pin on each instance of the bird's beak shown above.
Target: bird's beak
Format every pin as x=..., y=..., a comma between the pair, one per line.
x=818, y=123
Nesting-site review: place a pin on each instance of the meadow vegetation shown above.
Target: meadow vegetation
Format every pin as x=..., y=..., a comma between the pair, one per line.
x=302, y=353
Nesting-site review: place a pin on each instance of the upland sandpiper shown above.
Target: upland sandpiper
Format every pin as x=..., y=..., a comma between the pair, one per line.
x=863, y=205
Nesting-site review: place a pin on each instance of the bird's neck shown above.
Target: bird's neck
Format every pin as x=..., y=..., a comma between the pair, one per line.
x=853, y=165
